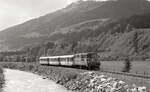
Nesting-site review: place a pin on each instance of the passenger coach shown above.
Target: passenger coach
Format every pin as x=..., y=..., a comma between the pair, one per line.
x=88, y=60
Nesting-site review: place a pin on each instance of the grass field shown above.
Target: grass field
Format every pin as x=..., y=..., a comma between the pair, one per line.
x=138, y=67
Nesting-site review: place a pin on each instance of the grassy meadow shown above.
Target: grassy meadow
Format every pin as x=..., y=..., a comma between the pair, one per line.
x=139, y=67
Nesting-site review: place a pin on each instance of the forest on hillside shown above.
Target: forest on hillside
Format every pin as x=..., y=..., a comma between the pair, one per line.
x=113, y=40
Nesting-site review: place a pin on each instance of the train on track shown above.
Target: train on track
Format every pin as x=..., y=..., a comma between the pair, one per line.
x=82, y=60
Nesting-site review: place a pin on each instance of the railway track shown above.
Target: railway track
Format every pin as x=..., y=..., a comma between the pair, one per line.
x=127, y=74
x=113, y=72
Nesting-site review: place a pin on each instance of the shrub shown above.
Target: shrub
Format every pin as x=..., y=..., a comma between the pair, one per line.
x=1, y=70
x=127, y=65
x=1, y=77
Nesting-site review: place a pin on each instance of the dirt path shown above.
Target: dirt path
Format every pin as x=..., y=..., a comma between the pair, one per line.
x=19, y=81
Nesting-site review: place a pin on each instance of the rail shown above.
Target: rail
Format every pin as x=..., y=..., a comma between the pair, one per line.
x=127, y=74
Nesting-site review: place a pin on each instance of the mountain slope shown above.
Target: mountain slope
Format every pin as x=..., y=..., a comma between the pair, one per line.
x=42, y=28
x=117, y=39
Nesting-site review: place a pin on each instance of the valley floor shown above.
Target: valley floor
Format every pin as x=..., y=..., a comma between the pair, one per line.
x=137, y=67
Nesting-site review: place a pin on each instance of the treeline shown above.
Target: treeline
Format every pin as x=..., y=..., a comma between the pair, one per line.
x=15, y=56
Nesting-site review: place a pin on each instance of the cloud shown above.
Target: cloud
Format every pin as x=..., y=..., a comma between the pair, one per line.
x=13, y=12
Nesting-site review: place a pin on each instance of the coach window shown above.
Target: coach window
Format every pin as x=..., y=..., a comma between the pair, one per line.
x=82, y=59
x=82, y=56
x=58, y=59
x=89, y=56
x=70, y=59
x=52, y=59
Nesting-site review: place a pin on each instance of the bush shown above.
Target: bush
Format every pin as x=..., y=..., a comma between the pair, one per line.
x=127, y=65
x=1, y=70
x=1, y=77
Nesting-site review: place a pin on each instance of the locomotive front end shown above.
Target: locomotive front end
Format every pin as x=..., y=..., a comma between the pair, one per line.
x=93, y=61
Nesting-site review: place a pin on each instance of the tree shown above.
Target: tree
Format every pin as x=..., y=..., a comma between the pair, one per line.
x=127, y=65
x=135, y=42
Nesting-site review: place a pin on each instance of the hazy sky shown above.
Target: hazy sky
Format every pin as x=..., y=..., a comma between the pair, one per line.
x=14, y=12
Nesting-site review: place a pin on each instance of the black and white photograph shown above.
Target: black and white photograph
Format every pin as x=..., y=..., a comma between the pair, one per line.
x=74, y=45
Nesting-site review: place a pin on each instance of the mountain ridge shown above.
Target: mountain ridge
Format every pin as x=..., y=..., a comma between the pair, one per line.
x=43, y=27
